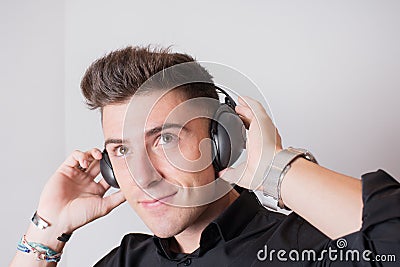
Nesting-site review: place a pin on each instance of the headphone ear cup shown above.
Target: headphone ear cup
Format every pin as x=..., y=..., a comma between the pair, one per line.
x=228, y=134
x=107, y=171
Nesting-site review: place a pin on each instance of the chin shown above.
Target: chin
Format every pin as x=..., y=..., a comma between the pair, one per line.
x=165, y=229
x=169, y=221
x=169, y=224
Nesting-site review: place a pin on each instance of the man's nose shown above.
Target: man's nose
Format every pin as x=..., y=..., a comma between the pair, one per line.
x=142, y=170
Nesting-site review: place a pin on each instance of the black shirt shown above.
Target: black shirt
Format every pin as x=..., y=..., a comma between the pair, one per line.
x=247, y=234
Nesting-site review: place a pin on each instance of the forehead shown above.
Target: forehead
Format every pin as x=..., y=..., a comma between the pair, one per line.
x=148, y=105
x=146, y=111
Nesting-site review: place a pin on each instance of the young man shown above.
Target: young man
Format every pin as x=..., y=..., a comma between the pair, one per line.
x=231, y=230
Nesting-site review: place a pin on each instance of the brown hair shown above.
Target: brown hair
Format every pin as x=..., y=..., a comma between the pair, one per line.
x=116, y=77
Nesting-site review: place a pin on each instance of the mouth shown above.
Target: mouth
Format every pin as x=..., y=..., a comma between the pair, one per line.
x=150, y=203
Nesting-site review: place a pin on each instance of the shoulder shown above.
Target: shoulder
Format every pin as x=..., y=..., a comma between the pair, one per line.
x=381, y=198
x=135, y=239
x=130, y=245
x=282, y=224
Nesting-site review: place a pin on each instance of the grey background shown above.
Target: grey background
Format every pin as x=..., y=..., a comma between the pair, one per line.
x=329, y=70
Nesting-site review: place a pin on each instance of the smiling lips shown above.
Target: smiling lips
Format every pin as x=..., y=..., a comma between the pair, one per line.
x=149, y=203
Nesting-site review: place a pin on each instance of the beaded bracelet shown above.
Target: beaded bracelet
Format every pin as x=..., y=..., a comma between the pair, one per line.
x=42, y=252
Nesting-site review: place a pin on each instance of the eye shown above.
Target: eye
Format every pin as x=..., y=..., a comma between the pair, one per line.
x=166, y=139
x=121, y=151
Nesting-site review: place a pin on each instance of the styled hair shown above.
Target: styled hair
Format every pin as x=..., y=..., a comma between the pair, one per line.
x=116, y=77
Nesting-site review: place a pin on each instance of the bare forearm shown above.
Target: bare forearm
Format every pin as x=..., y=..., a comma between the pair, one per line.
x=330, y=201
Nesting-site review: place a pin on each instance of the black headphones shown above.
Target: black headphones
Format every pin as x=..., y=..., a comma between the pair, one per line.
x=227, y=133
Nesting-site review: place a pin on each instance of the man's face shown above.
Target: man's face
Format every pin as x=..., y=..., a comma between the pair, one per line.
x=142, y=162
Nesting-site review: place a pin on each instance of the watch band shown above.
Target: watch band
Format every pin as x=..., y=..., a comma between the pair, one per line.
x=280, y=166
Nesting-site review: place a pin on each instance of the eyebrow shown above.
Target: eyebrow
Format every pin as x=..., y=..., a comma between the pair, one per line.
x=114, y=141
x=149, y=133
x=166, y=126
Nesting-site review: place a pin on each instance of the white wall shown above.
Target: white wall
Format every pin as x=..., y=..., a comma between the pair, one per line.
x=31, y=111
x=328, y=70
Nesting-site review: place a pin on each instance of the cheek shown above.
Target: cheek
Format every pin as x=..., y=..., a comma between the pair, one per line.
x=122, y=173
x=193, y=179
x=193, y=147
x=192, y=155
x=119, y=166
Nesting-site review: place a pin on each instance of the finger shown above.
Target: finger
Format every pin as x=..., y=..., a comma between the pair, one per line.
x=242, y=102
x=70, y=165
x=249, y=107
x=221, y=173
x=95, y=153
x=254, y=111
x=253, y=104
x=94, y=169
x=104, y=184
x=76, y=157
x=245, y=122
x=112, y=201
x=245, y=114
x=278, y=140
x=82, y=158
x=243, y=177
x=92, y=155
x=233, y=175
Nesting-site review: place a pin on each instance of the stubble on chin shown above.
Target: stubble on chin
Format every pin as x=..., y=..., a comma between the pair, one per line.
x=174, y=222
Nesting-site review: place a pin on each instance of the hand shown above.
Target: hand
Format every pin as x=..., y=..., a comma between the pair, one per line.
x=263, y=142
x=71, y=198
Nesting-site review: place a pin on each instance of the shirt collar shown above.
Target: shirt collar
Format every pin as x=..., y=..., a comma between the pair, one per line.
x=236, y=217
x=227, y=226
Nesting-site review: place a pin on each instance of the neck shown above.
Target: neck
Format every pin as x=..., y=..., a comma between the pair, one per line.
x=188, y=240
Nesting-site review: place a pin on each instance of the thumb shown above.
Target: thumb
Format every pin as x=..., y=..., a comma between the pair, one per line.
x=221, y=173
x=242, y=176
x=112, y=201
x=233, y=175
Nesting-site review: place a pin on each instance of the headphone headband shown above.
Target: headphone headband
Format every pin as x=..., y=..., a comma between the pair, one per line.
x=228, y=99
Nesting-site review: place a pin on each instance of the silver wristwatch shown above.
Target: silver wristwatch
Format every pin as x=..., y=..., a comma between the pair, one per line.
x=279, y=168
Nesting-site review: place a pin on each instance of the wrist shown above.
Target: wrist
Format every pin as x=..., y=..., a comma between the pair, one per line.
x=53, y=234
x=56, y=219
x=292, y=184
